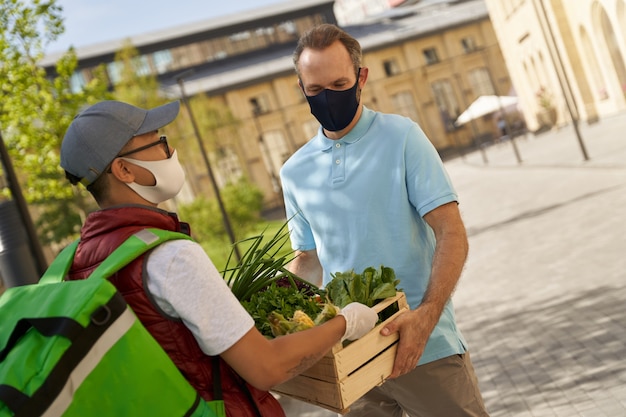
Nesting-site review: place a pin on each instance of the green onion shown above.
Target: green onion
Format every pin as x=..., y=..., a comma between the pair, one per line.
x=260, y=265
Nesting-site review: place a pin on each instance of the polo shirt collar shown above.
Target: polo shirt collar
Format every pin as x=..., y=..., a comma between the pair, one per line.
x=354, y=135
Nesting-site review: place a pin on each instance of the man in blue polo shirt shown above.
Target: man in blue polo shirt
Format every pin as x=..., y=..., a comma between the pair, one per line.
x=368, y=190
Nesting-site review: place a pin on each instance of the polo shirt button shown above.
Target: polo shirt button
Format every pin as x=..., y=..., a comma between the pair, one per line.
x=338, y=145
x=337, y=162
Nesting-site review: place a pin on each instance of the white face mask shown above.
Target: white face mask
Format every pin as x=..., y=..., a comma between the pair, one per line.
x=169, y=177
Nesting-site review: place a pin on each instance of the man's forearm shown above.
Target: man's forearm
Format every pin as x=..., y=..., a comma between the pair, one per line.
x=448, y=261
x=306, y=266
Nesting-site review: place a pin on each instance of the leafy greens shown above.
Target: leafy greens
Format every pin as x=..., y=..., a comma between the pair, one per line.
x=369, y=287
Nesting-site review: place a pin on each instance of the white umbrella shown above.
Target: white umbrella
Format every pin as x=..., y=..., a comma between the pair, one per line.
x=485, y=105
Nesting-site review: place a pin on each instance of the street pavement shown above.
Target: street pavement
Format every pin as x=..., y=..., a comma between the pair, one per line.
x=542, y=300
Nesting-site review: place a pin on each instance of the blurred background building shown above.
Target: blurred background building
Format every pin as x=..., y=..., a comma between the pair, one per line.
x=565, y=59
x=428, y=60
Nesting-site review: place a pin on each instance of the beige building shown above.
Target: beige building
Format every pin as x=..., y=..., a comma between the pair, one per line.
x=427, y=61
x=565, y=54
x=356, y=11
x=431, y=76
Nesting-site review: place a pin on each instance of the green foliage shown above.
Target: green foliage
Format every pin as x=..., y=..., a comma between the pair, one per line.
x=260, y=265
x=283, y=299
x=216, y=127
x=134, y=87
x=36, y=108
x=35, y=111
x=242, y=201
x=367, y=288
x=264, y=286
x=220, y=251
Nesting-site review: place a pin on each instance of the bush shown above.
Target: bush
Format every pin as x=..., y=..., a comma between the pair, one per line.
x=242, y=202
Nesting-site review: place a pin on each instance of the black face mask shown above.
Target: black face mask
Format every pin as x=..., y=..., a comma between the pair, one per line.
x=335, y=109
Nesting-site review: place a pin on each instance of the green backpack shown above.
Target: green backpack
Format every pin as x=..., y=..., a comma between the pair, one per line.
x=76, y=349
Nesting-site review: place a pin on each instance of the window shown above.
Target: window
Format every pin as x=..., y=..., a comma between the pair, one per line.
x=446, y=102
x=481, y=82
x=299, y=93
x=404, y=104
x=228, y=166
x=162, y=61
x=468, y=44
x=391, y=67
x=114, y=70
x=430, y=55
x=310, y=128
x=77, y=82
x=142, y=67
x=259, y=105
x=274, y=152
x=288, y=27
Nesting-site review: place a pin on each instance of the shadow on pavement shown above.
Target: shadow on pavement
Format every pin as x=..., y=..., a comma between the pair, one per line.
x=473, y=231
x=559, y=353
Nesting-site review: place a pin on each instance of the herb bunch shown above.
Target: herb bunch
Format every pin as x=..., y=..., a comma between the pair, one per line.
x=283, y=299
x=261, y=265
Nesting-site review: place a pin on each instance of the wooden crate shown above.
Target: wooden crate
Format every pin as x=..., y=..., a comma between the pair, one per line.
x=347, y=372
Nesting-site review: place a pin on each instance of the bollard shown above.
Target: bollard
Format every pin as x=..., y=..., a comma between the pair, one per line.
x=18, y=266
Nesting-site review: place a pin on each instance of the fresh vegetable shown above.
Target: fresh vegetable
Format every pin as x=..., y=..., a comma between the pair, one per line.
x=260, y=266
x=302, y=319
x=281, y=326
x=369, y=287
x=328, y=312
x=281, y=303
x=285, y=300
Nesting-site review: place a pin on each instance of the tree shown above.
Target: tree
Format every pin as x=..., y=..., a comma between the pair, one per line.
x=35, y=111
x=137, y=85
x=218, y=131
x=243, y=202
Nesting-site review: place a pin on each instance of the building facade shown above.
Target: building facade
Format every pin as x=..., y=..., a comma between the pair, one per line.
x=356, y=11
x=426, y=61
x=564, y=57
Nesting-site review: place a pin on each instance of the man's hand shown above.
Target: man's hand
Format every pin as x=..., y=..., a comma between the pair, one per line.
x=414, y=329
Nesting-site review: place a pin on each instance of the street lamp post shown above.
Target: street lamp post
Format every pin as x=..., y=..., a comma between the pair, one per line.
x=561, y=75
x=180, y=80
x=12, y=257
x=507, y=126
x=472, y=122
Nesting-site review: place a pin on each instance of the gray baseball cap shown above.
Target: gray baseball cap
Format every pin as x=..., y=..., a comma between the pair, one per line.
x=98, y=134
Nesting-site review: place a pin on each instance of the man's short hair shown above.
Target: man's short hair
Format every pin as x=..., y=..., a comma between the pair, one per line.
x=321, y=37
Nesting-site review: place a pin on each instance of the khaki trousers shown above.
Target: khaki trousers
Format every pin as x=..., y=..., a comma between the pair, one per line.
x=444, y=388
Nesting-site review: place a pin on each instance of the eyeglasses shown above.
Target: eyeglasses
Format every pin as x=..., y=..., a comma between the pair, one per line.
x=162, y=140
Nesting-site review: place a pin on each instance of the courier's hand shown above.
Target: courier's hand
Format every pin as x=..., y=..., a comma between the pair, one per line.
x=360, y=319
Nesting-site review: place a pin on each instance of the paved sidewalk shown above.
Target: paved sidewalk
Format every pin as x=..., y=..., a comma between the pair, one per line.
x=542, y=301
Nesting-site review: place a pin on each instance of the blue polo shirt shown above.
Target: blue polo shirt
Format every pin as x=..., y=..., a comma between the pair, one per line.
x=359, y=201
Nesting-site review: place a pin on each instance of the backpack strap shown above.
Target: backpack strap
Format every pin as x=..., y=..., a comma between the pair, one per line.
x=135, y=245
x=132, y=247
x=60, y=265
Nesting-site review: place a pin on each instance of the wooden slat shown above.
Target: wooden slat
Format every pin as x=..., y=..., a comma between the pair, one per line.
x=339, y=396
x=343, y=360
x=348, y=372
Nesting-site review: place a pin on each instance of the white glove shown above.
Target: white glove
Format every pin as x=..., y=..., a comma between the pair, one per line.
x=360, y=319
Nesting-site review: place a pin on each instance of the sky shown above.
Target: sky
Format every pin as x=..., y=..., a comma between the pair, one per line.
x=88, y=22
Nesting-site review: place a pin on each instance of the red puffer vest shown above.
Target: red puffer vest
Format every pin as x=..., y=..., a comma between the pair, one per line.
x=104, y=231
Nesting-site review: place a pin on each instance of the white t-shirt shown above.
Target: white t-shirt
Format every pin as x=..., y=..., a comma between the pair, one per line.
x=185, y=284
